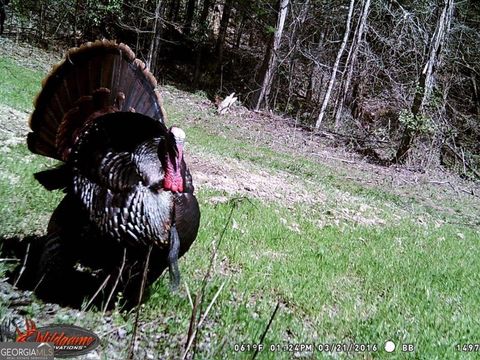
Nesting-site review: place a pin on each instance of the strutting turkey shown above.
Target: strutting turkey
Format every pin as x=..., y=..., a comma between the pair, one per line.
x=128, y=189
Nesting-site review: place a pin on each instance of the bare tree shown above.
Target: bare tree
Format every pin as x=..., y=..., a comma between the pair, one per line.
x=190, y=11
x=227, y=9
x=202, y=35
x=426, y=79
x=271, y=54
x=174, y=10
x=335, y=66
x=298, y=19
x=314, y=69
x=351, y=61
x=155, y=42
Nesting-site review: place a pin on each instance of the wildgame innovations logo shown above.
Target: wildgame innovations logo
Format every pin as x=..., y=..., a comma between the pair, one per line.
x=67, y=340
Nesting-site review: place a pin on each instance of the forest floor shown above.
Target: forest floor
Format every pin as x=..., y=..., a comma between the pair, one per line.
x=352, y=251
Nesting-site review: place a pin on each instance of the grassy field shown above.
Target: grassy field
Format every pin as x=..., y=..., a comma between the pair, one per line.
x=409, y=275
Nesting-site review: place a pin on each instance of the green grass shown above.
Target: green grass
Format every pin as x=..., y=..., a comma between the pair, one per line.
x=18, y=85
x=25, y=205
x=405, y=280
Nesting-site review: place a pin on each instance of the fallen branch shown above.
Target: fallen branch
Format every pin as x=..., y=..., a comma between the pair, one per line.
x=226, y=104
x=444, y=183
x=336, y=159
x=470, y=192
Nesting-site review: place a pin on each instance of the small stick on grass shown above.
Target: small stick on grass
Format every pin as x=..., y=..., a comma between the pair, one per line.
x=120, y=271
x=266, y=329
x=39, y=282
x=24, y=265
x=211, y=303
x=191, y=326
x=189, y=295
x=97, y=292
x=140, y=296
x=191, y=338
x=197, y=307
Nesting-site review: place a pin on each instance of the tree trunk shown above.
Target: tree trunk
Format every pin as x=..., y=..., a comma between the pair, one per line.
x=293, y=44
x=202, y=29
x=239, y=31
x=426, y=79
x=187, y=26
x=203, y=16
x=41, y=25
x=271, y=55
x=352, y=56
x=335, y=67
x=314, y=69
x=174, y=8
x=475, y=93
x=75, y=23
x=155, y=42
x=227, y=9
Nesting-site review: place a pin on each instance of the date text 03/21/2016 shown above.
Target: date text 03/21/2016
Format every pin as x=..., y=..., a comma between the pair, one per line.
x=287, y=347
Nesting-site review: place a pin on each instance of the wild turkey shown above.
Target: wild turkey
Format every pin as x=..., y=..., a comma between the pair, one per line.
x=127, y=186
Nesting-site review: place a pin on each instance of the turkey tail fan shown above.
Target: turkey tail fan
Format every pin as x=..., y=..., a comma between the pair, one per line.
x=94, y=79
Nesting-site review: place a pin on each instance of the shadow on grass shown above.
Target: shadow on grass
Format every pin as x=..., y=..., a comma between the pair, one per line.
x=77, y=265
x=100, y=278
x=67, y=288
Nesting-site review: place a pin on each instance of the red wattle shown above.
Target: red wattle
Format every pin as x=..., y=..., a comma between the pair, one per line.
x=173, y=180
x=167, y=183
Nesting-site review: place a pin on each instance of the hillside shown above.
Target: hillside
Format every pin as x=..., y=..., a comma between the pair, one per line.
x=352, y=251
